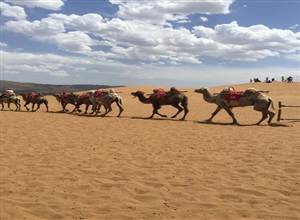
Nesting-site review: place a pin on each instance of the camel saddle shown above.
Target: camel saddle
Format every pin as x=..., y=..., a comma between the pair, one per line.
x=83, y=96
x=64, y=96
x=98, y=92
x=159, y=94
x=234, y=95
x=31, y=95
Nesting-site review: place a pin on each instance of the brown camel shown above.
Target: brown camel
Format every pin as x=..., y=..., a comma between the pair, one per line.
x=106, y=98
x=34, y=99
x=66, y=98
x=10, y=98
x=228, y=98
x=159, y=98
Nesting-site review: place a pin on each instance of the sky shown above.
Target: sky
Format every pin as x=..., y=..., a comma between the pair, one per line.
x=178, y=43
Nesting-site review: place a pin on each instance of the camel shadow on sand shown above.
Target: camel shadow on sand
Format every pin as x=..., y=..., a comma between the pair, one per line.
x=227, y=124
x=159, y=119
x=276, y=124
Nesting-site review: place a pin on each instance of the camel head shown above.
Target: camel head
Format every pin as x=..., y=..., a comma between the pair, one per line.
x=201, y=90
x=137, y=93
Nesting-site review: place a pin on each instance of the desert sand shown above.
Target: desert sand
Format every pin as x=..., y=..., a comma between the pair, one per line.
x=71, y=166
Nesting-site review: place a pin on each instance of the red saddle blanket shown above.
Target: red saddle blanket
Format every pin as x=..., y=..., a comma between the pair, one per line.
x=160, y=94
x=31, y=96
x=64, y=96
x=98, y=92
x=233, y=95
x=83, y=96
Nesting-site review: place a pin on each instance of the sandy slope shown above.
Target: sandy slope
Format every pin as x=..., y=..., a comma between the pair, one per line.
x=69, y=166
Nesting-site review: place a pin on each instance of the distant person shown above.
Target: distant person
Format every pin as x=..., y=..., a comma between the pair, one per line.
x=250, y=80
x=282, y=79
x=273, y=79
x=290, y=79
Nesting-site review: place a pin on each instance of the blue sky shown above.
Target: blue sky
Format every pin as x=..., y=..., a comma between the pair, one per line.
x=160, y=43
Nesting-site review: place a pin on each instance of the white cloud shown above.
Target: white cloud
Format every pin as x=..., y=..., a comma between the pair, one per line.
x=49, y=4
x=12, y=11
x=3, y=44
x=249, y=43
x=204, y=19
x=294, y=26
x=161, y=11
x=294, y=57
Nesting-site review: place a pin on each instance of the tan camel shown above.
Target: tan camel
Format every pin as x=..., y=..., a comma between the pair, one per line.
x=106, y=98
x=66, y=98
x=173, y=97
x=11, y=98
x=34, y=99
x=228, y=98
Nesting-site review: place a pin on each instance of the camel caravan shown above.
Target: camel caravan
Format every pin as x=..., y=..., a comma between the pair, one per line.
x=227, y=99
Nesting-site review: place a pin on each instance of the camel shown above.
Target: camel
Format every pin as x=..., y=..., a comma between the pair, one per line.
x=66, y=98
x=106, y=98
x=34, y=99
x=85, y=99
x=173, y=98
x=227, y=100
x=13, y=98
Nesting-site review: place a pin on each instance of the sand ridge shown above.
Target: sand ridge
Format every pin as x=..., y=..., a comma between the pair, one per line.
x=62, y=166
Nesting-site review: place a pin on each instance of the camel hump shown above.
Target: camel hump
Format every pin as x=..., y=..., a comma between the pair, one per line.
x=173, y=89
x=251, y=90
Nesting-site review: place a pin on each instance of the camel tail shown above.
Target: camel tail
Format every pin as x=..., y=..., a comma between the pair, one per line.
x=272, y=103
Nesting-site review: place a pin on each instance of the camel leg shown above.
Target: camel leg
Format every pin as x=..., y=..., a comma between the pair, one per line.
x=64, y=105
x=184, y=104
x=8, y=105
x=46, y=104
x=26, y=106
x=2, y=106
x=228, y=110
x=109, y=109
x=86, y=108
x=17, y=106
x=264, y=116
x=186, y=111
x=155, y=111
x=120, y=107
x=75, y=108
x=271, y=114
x=94, y=108
x=33, y=104
x=38, y=106
x=214, y=114
x=179, y=110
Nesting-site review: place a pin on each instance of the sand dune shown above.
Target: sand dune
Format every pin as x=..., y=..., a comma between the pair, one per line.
x=62, y=166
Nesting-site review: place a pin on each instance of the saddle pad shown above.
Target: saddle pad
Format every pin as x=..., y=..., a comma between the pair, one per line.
x=63, y=96
x=31, y=96
x=83, y=96
x=99, y=92
x=233, y=95
x=160, y=94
